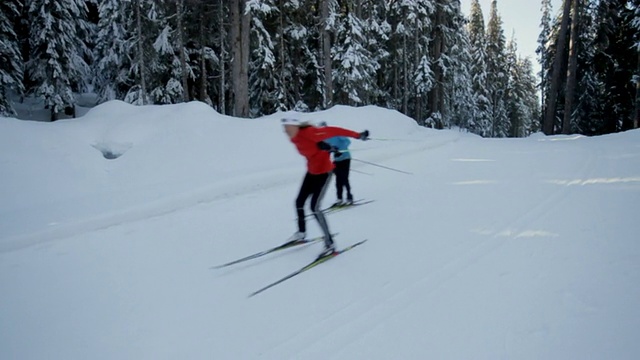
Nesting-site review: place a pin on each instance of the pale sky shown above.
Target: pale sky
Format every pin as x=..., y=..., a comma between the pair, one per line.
x=519, y=16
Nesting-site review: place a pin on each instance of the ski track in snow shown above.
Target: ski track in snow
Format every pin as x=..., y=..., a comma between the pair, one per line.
x=494, y=248
x=219, y=190
x=372, y=312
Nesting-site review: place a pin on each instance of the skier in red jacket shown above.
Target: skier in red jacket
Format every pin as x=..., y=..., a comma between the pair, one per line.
x=309, y=142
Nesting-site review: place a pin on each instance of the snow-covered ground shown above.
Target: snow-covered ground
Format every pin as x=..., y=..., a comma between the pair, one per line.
x=489, y=249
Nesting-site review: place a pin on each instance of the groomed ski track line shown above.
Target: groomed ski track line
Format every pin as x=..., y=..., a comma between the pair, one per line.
x=252, y=183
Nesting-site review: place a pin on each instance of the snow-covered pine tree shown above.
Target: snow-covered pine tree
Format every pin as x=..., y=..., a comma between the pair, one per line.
x=411, y=29
x=378, y=31
x=267, y=94
x=202, y=55
x=354, y=67
x=448, y=45
x=142, y=29
x=458, y=77
x=558, y=54
x=216, y=42
x=170, y=72
x=635, y=23
x=544, y=42
x=325, y=26
x=496, y=73
x=11, y=63
x=589, y=111
x=529, y=96
x=519, y=93
x=481, y=121
x=111, y=70
x=437, y=53
x=56, y=63
x=309, y=40
x=617, y=62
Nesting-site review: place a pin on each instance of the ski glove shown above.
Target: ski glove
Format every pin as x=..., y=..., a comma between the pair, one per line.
x=323, y=146
x=326, y=147
x=364, y=135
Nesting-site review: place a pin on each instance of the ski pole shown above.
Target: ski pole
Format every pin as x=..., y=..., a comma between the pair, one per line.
x=382, y=139
x=362, y=172
x=381, y=166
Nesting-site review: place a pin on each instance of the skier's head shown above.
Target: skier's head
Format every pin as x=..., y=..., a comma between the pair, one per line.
x=293, y=125
x=322, y=124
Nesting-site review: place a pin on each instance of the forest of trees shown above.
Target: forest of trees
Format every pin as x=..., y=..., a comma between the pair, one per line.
x=590, y=57
x=249, y=58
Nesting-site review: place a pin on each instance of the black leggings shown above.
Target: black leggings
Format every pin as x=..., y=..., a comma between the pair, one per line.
x=314, y=186
x=342, y=178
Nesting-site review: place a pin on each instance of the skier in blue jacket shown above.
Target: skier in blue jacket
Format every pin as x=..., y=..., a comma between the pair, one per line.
x=342, y=162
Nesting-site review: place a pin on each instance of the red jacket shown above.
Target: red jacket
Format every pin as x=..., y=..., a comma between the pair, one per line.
x=318, y=161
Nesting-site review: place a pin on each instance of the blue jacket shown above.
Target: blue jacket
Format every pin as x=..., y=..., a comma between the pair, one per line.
x=342, y=143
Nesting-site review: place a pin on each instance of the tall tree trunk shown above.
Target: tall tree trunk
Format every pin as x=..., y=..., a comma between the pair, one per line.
x=223, y=79
x=141, y=63
x=245, y=31
x=436, y=94
x=181, y=48
x=240, y=57
x=325, y=58
x=573, y=66
x=550, y=113
x=405, y=70
x=418, y=96
x=636, y=120
x=283, y=51
x=202, y=95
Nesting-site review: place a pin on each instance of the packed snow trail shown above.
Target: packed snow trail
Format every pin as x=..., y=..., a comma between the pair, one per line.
x=510, y=248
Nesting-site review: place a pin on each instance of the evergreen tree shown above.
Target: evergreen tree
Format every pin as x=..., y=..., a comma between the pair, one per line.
x=618, y=62
x=588, y=116
x=217, y=54
x=635, y=23
x=438, y=48
x=203, y=57
x=266, y=90
x=111, y=71
x=458, y=74
x=568, y=121
x=10, y=57
x=529, y=97
x=481, y=121
x=56, y=63
x=497, y=73
x=378, y=31
x=521, y=98
x=142, y=27
x=303, y=55
x=556, y=80
x=170, y=73
x=354, y=68
x=544, y=42
x=411, y=29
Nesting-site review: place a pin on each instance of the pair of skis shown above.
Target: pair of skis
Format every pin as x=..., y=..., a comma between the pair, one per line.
x=287, y=245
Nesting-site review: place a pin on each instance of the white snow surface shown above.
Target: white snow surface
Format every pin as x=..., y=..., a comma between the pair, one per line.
x=489, y=249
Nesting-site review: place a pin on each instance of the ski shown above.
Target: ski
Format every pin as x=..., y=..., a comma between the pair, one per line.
x=287, y=245
x=312, y=264
x=335, y=208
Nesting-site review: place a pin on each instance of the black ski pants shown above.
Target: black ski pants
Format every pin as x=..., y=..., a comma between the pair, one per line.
x=342, y=178
x=313, y=186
